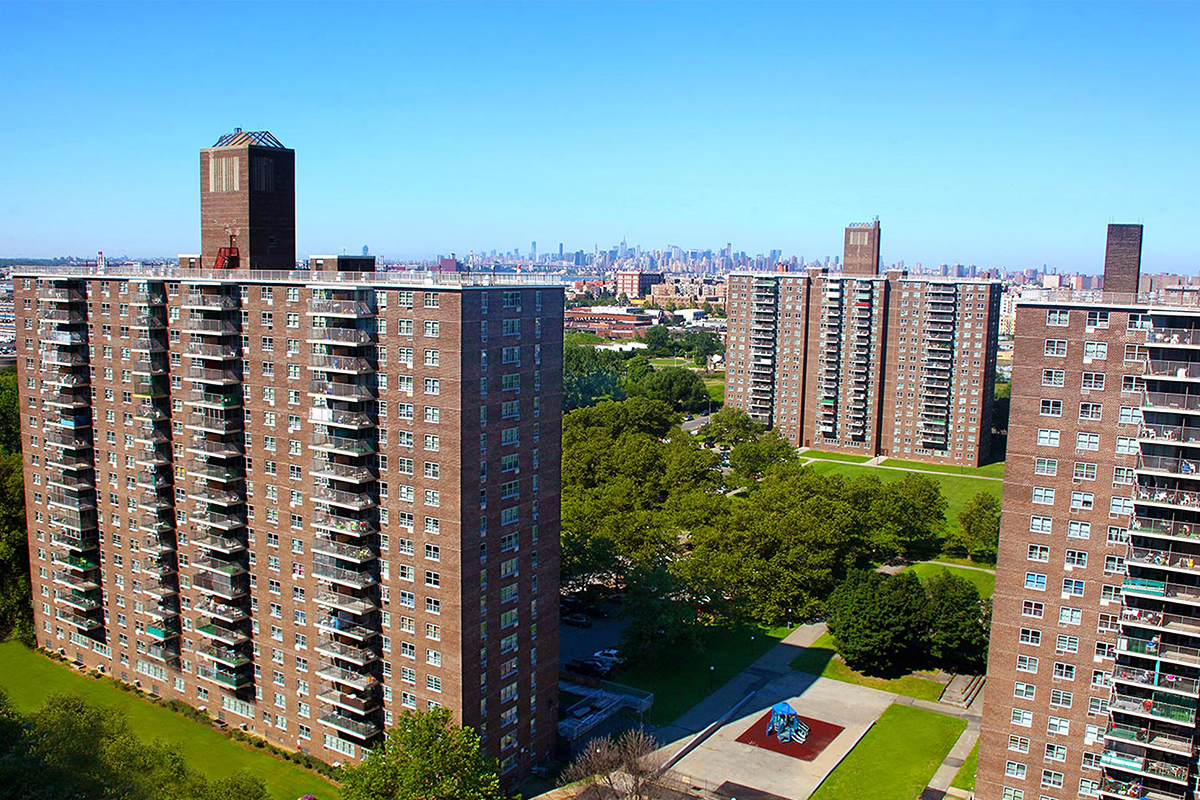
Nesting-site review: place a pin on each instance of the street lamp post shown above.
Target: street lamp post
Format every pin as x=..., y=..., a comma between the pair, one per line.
x=712, y=671
x=751, y=646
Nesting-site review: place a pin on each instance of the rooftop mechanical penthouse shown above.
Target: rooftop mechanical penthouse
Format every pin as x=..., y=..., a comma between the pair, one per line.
x=300, y=500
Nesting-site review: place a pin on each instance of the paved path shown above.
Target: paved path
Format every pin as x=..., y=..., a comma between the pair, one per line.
x=990, y=570
x=939, y=784
x=877, y=462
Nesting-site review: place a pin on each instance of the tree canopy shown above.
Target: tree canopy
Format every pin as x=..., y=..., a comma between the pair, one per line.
x=979, y=531
x=16, y=611
x=424, y=756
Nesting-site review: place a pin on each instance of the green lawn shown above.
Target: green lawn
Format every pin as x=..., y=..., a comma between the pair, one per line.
x=850, y=457
x=716, y=386
x=822, y=659
x=955, y=488
x=896, y=758
x=995, y=470
x=29, y=677
x=985, y=582
x=668, y=361
x=965, y=779
x=680, y=680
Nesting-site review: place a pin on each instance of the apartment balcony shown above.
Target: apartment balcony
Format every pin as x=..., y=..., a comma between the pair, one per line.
x=215, y=400
x=82, y=541
x=80, y=601
x=1173, y=336
x=343, y=336
x=357, y=578
x=220, y=497
x=359, y=703
x=163, y=568
x=74, y=581
x=223, y=586
x=154, y=479
x=1148, y=737
x=209, y=327
x=147, y=322
x=353, y=309
x=67, y=421
x=1173, y=369
x=357, y=678
x=345, y=602
x=356, y=420
x=61, y=295
x=1157, y=650
x=146, y=297
x=350, y=473
x=166, y=652
x=355, y=630
x=218, y=565
x=148, y=344
x=350, y=552
x=152, y=457
x=1159, y=680
x=343, y=445
x=73, y=561
x=217, y=519
x=214, y=424
x=1174, y=434
x=65, y=399
x=360, y=729
x=352, y=365
x=1148, y=618
x=1165, y=558
x=221, y=352
x=221, y=377
x=1182, y=498
x=156, y=523
x=234, y=680
x=222, y=633
x=157, y=546
x=77, y=620
x=226, y=656
x=149, y=413
x=226, y=545
x=343, y=391
x=152, y=387
x=163, y=631
x=1172, y=401
x=1152, y=526
x=1155, y=709
x=1128, y=762
x=61, y=338
x=215, y=471
x=220, y=302
x=70, y=481
x=64, y=500
x=222, y=612
x=214, y=448
x=1168, y=465
x=357, y=655
x=148, y=364
x=69, y=439
x=160, y=588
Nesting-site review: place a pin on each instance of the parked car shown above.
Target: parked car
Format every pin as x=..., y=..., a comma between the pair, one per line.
x=578, y=620
x=587, y=666
x=599, y=612
x=611, y=654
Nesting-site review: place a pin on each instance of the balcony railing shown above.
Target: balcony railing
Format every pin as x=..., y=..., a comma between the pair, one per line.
x=1152, y=738
x=216, y=326
x=341, y=363
x=234, y=681
x=361, y=729
x=218, y=519
x=212, y=375
x=1150, y=647
x=1135, y=790
x=222, y=611
x=357, y=678
x=1178, y=497
x=340, y=335
x=225, y=655
x=218, y=301
x=339, y=308
x=1128, y=761
x=220, y=586
x=210, y=422
x=216, y=399
x=360, y=578
x=343, y=472
x=73, y=521
x=355, y=500
x=359, y=655
x=1171, y=433
x=1182, y=466
x=203, y=350
x=351, y=391
x=356, y=527
x=349, y=628
x=1159, y=557
x=1172, y=400
x=1172, y=712
x=345, y=602
x=346, y=419
x=1146, y=677
x=343, y=444
x=360, y=703
x=222, y=544
x=1173, y=369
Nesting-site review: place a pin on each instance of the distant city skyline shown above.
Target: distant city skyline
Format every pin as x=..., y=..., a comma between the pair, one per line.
x=1000, y=134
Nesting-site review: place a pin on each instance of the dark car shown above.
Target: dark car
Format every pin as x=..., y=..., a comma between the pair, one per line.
x=592, y=667
x=578, y=620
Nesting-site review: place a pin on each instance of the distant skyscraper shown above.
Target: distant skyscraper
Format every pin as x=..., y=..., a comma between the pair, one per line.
x=862, y=249
x=1123, y=258
x=560, y=251
x=533, y=251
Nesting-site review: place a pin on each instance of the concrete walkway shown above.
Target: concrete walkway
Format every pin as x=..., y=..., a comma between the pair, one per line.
x=877, y=462
x=939, y=784
x=989, y=570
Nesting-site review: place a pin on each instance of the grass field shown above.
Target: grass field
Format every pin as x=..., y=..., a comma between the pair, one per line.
x=821, y=659
x=715, y=384
x=987, y=471
x=965, y=778
x=956, y=489
x=680, y=680
x=29, y=678
x=848, y=457
x=985, y=582
x=896, y=758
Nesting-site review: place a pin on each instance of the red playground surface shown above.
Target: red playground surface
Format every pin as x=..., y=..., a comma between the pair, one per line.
x=820, y=734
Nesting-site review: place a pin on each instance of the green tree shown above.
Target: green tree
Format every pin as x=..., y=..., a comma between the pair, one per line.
x=10, y=413
x=753, y=458
x=662, y=615
x=682, y=388
x=907, y=517
x=731, y=426
x=658, y=341
x=424, y=756
x=16, y=609
x=979, y=528
x=959, y=621
x=879, y=622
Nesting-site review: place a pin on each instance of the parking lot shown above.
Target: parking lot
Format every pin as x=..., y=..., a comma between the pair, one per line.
x=576, y=642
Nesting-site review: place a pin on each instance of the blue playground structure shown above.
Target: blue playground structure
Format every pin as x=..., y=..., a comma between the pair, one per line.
x=785, y=724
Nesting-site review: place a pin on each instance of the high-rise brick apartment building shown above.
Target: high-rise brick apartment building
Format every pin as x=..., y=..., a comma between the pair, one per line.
x=301, y=500
x=1094, y=668
x=893, y=364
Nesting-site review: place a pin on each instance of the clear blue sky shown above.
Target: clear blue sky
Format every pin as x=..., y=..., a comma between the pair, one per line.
x=997, y=134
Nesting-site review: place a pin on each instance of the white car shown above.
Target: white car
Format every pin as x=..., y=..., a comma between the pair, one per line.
x=611, y=655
